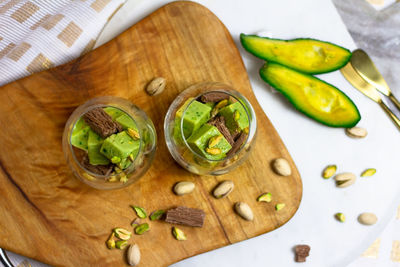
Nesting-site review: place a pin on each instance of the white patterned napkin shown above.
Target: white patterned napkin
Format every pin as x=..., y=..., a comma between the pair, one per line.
x=38, y=34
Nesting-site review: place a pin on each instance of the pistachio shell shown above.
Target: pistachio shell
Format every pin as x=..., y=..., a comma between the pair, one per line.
x=244, y=211
x=183, y=188
x=133, y=255
x=156, y=86
x=367, y=218
x=281, y=166
x=223, y=189
x=356, y=132
x=345, y=179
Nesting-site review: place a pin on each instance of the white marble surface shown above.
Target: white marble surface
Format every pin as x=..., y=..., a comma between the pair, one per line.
x=312, y=145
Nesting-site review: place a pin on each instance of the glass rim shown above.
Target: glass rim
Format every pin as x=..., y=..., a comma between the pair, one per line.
x=96, y=175
x=231, y=94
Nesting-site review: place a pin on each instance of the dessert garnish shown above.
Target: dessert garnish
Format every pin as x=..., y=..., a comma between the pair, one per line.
x=178, y=234
x=302, y=252
x=185, y=216
x=142, y=228
x=106, y=141
x=157, y=215
x=101, y=123
x=141, y=212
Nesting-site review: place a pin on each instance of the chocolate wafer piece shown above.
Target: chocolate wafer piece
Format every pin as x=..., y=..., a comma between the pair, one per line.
x=213, y=97
x=102, y=123
x=186, y=216
x=302, y=252
x=97, y=169
x=219, y=122
x=238, y=144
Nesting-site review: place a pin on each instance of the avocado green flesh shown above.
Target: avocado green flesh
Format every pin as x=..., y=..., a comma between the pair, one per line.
x=94, y=145
x=177, y=122
x=126, y=122
x=228, y=113
x=315, y=98
x=113, y=112
x=306, y=55
x=119, y=145
x=199, y=142
x=100, y=150
x=195, y=116
x=79, y=137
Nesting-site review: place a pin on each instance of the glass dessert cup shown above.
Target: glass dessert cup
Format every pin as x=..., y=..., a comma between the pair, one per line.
x=78, y=144
x=195, y=140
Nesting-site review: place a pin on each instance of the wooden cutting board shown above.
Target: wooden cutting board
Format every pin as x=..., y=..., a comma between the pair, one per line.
x=48, y=215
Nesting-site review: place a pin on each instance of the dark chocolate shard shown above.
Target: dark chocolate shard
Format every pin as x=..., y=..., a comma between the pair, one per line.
x=213, y=97
x=186, y=216
x=219, y=122
x=97, y=169
x=102, y=123
x=238, y=144
x=302, y=252
x=236, y=135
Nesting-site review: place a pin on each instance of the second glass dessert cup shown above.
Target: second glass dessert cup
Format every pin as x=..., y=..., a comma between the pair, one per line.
x=210, y=128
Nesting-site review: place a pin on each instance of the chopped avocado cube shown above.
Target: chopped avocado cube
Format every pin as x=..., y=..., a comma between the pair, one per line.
x=125, y=163
x=113, y=112
x=79, y=138
x=79, y=125
x=210, y=104
x=126, y=122
x=195, y=116
x=198, y=141
x=94, y=145
x=119, y=145
x=177, y=121
x=180, y=111
x=228, y=113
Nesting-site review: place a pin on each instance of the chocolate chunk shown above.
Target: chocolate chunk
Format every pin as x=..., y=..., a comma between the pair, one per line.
x=102, y=123
x=302, y=252
x=97, y=169
x=186, y=216
x=213, y=97
x=219, y=122
x=236, y=135
x=238, y=144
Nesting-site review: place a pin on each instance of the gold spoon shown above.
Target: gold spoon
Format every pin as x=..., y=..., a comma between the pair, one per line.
x=364, y=66
x=367, y=89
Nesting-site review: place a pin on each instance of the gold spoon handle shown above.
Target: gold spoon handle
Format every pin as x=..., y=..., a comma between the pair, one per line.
x=390, y=114
x=394, y=101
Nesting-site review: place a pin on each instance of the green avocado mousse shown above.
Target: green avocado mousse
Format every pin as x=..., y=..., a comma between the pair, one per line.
x=108, y=142
x=209, y=128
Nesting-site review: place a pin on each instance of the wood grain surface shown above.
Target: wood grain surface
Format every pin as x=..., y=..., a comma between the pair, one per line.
x=48, y=215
